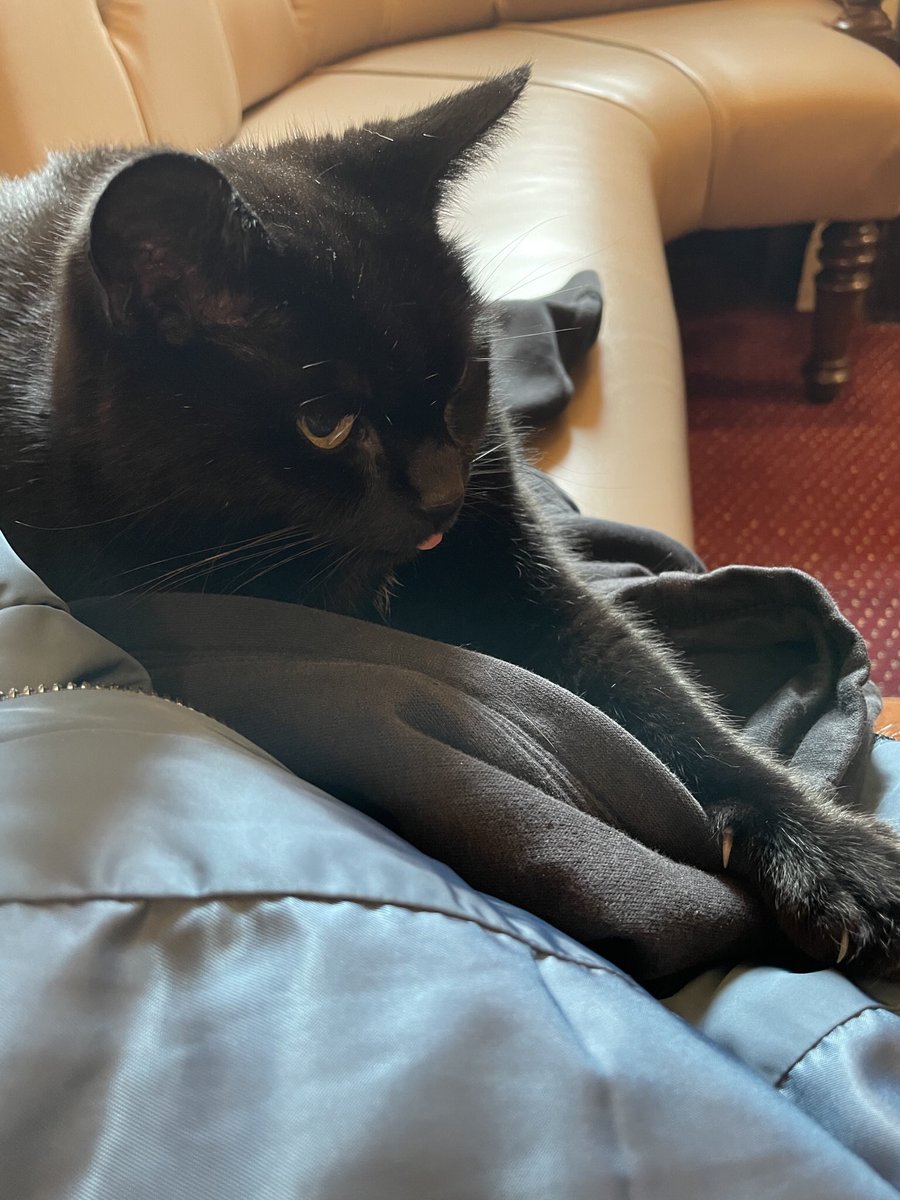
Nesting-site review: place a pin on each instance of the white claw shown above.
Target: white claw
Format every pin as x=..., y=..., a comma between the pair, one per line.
x=727, y=843
x=845, y=946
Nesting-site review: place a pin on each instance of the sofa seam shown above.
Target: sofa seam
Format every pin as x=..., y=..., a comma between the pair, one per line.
x=120, y=62
x=340, y=69
x=231, y=69
x=714, y=110
x=538, y=950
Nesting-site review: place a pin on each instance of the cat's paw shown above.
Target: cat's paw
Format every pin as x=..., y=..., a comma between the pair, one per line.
x=831, y=878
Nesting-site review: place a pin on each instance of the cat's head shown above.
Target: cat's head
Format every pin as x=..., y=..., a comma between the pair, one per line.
x=275, y=337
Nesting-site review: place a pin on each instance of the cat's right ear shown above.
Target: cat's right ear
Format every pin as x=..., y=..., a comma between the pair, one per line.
x=418, y=157
x=170, y=241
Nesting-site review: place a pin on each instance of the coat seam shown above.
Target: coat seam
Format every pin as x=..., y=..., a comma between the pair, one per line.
x=538, y=949
x=785, y=1075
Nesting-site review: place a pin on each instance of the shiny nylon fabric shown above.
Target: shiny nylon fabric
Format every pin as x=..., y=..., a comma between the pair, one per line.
x=527, y=790
x=293, y=1048
x=219, y=982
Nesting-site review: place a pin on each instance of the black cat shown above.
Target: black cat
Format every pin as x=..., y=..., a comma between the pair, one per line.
x=265, y=370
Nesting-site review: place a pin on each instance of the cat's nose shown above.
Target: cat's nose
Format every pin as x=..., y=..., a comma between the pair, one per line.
x=443, y=511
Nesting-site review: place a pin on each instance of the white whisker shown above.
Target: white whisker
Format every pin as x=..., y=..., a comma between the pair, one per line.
x=92, y=524
x=485, y=453
x=515, y=337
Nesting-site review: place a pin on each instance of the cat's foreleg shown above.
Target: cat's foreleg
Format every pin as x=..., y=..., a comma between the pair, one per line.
x=830, y=875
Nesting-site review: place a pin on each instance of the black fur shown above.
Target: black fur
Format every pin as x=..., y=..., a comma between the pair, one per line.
x=166, y=321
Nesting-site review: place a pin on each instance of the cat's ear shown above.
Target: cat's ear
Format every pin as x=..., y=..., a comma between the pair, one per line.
x=417, y=156
x=170, y=240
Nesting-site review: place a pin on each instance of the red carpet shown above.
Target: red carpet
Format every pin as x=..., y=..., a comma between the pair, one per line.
x=777, y=481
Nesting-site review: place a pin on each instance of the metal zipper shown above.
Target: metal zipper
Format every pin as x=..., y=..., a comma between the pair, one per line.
x=42, y=689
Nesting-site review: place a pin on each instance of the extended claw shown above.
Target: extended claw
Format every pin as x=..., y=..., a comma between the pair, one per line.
x=845, y=946
x=727, y=843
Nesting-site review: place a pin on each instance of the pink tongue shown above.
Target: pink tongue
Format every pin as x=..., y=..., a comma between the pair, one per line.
x=431, y=542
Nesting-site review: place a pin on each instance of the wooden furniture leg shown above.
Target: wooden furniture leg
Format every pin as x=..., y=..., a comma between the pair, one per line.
x=848, y=248
x=846, y=257
x=866, y=20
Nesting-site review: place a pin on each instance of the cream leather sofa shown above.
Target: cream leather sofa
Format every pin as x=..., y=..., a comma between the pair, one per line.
x=639, y=126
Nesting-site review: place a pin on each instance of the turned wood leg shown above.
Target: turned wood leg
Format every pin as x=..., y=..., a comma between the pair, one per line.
x=848, y=248
x=846, y=258
x=866, y=20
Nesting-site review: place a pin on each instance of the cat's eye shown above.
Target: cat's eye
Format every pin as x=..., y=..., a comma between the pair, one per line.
x=327, y=433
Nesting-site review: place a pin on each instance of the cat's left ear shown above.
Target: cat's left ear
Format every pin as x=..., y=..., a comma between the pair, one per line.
x=416, y=157
x=170, y=242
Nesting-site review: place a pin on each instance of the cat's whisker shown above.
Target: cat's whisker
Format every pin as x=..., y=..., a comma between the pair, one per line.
x=293, y=558
x=485, y=480
x=485, y=475
x=222, y=548
x=536, y=274
x=487, y=511
x=483, y=494
x=190, y=576
x=245, y=583
x=325, y=572
x=590, y=477
x=124, y=530
x=485, y=453
x=506, y=358
x=318, y=178
x=481, y=478
x=328, y=572
x=313, y=399
x=253, y=555
x=578, y=287
x=480, y=466
x=482, y=279
x=204, y=572
x=279, y=552
x=186, y=573
x=516, y=337
x=92, y=524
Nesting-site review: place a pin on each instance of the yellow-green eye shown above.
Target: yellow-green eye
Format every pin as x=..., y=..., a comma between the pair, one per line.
x=324, y=432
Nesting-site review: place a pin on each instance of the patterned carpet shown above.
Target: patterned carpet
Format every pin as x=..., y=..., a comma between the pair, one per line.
x=777, y=481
